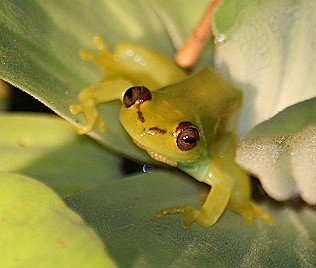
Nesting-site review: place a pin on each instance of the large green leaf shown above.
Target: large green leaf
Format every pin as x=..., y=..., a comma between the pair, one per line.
x=123, y=214
x=38, y=230
x=39, y=43
x=47, y=148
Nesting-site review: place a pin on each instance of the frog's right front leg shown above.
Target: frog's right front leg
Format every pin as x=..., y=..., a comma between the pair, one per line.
x=91, y=97
x=214, y=205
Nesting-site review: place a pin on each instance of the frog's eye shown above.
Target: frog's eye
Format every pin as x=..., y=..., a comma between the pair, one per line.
x=135, y=96
x=187, y=136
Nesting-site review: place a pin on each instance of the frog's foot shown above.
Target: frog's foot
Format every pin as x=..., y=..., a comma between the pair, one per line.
x=250, y=211
x=88, y=128
x=200, y=216
x=91, y=115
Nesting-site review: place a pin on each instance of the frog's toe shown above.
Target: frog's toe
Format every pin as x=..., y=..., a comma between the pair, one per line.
x=251, y=211
x=187, y=211
x=82, y=129
x=75, y=109
x=100, y=44
x=191, y=214
x=87, y=56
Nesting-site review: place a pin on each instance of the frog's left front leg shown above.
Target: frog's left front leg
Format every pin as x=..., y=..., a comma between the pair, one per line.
x=240, y=200
x=91, y=97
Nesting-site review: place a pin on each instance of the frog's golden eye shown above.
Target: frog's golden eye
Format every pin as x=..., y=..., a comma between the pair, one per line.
x=135, y=96
x=188, y=136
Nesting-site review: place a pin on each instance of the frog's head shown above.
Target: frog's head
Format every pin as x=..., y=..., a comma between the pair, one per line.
x=158, y=123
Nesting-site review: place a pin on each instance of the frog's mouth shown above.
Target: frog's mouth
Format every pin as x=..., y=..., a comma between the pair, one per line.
x=157, y=157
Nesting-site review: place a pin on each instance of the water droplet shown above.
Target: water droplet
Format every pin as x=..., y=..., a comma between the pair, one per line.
x=148, y=168
x=219, y=39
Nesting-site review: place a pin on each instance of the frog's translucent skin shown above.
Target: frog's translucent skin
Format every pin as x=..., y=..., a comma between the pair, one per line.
x=204, y=99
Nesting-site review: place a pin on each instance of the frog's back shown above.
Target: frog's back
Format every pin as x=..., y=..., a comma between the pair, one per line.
x=207, y=97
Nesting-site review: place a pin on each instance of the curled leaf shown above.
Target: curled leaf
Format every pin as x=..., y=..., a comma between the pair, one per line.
x=267, y=49
x=281, y=152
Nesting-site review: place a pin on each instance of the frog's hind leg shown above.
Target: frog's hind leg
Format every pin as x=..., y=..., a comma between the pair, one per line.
x=106, y=59
x=105, y=54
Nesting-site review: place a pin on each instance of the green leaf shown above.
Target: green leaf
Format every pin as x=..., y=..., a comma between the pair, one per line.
x=47, y=148
x=40, y=43
x=268, y=52
x=123, y=214
x=178, y=24
x=38, y=230
x=285, y=148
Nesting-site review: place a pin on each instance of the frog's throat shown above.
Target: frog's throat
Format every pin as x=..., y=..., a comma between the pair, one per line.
x=157, y=157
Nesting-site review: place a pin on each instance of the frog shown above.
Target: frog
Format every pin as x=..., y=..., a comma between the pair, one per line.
x=183, y=119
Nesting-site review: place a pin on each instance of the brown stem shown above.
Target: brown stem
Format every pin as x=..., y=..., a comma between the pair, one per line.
x=192, y=49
